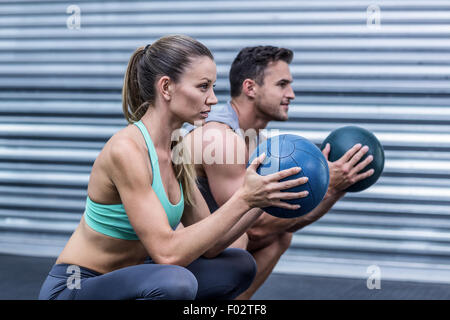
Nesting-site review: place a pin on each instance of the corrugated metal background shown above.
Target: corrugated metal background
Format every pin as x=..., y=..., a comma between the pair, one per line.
x=60, y=102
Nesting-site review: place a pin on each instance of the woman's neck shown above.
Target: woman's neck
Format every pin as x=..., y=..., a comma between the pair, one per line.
x=160, y=125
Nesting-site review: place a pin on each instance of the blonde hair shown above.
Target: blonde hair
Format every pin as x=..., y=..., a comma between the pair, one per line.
x=170, y=55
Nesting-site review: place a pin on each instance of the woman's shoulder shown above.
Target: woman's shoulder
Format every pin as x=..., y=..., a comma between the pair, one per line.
x=125, y=143
x=124, y=147
x=127, y=138
x=122, y=153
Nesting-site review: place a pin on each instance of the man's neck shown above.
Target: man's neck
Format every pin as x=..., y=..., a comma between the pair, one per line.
x=247, y=114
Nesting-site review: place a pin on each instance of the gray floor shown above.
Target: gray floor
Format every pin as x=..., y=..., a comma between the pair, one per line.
x=21, y=278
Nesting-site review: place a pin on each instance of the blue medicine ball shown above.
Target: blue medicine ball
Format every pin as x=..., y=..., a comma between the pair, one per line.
x=287, y=151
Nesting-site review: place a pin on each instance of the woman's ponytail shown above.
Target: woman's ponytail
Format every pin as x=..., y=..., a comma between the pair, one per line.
x=133, y=104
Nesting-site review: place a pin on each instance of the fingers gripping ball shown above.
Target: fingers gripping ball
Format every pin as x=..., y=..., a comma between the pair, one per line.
x=287, y=151
x=342, y=139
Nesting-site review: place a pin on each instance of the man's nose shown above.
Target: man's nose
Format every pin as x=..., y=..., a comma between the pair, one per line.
x=290, y=93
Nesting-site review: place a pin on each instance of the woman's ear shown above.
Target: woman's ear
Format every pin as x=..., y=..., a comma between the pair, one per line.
x=164, y=87
x=249, y=87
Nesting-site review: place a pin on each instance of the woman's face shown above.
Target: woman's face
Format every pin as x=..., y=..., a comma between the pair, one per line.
x=193, y=95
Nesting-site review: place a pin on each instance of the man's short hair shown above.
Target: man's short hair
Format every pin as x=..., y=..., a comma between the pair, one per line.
x=251, y=62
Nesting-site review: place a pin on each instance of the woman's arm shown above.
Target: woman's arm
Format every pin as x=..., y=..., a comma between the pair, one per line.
x=224, y=179
x=132, y=178
x=194, y=214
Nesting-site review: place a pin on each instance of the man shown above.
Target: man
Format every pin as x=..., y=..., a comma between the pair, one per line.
x=261, y=91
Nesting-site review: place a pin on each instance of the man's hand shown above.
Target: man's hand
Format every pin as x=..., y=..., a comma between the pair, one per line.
x=345, y=171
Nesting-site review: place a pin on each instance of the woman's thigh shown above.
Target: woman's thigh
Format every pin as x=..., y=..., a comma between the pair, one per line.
x=145, y=281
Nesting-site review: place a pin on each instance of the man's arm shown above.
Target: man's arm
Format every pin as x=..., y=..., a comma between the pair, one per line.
x=343, y=173
x=227, y=176
x=210, y=146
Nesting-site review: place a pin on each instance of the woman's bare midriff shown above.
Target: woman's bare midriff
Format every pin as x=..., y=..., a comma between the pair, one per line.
x=91, y=249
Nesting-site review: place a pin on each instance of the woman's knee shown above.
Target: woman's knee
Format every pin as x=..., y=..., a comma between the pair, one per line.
x=178, y=284
x=244, y=265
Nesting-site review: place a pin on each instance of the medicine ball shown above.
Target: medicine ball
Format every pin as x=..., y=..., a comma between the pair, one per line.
x=286, y=151
x=343, y=139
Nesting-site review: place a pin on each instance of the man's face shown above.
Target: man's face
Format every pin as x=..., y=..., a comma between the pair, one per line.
x=273, y=97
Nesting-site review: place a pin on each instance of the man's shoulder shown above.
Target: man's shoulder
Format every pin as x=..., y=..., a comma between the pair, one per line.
x=213, y=125
x=188, y=128
x=217, y=125
x=215, y=132
x=217, y=143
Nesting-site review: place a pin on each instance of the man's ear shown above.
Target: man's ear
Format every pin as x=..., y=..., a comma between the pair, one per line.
x=164, y=86
x=249, y=88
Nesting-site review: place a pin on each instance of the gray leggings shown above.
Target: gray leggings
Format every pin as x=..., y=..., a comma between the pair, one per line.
x=223, y=277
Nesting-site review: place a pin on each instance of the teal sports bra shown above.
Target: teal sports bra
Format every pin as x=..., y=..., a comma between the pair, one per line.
x=112, y=220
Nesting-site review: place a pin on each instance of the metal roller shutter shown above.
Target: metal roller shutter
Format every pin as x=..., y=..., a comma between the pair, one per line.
x=60, y=102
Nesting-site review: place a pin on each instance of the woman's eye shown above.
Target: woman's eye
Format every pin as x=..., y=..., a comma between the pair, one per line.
x=205, y=86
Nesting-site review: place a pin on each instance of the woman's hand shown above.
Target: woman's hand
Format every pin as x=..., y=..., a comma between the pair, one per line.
x=265, y=191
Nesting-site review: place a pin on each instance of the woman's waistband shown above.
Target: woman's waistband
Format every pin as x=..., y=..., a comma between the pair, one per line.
x=66, y=270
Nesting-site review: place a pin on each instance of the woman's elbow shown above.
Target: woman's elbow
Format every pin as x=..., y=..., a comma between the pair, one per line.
x=211, y=254
x=162, y=256
x=172, y=260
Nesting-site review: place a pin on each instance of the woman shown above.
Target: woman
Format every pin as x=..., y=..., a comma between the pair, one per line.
x=137, y=196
